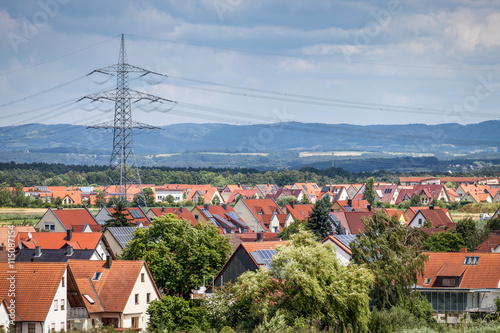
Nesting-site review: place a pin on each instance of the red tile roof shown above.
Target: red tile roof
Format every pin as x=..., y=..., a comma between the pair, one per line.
x=36, y=285
x=254, y=246
x=142, y=219
x=490, y=244
x=299, y=212
x=267, y=206
x=355, y=221
x=76, y=217
x=438, y=217
x=58, y=240
x=486, y=274
x=113, y=288
x=4, y=233
x=185, y=214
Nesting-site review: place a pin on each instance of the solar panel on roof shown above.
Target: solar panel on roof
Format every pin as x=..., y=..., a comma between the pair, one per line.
x=345, y=239
x=206, y=212
x=136, y=214
x=305, y=187
x=257, y=257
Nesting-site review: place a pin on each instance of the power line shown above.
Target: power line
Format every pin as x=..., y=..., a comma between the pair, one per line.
x=316, y=58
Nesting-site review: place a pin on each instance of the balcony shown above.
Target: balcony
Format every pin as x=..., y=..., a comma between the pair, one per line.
x=77, y=313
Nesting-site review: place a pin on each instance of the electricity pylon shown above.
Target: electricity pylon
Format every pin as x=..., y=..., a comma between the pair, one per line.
x=124, y=172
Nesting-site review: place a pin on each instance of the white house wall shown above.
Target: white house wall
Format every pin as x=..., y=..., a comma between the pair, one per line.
x=139, y=310
x=57, y=317
x=4, y=316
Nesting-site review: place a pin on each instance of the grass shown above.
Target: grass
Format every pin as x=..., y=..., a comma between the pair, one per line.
x=19, y=219
x=483, y=207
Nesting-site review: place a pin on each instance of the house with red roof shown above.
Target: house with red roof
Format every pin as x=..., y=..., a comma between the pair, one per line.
x=229, y=190
x=275, y=222
x=354, y=189
x=310, y=189
x=438, y=217
x=135, y=215
x=490, y=245
x=396, y=212
x=460, y=283
x=386, y=193
x=335, y=192
x=264, y=189
x=476, y=197
x=39, y=293
x=180, y=212
x=247, y=257
x=298, y=211
x=115, y=292
x=61, y=220
x=350, y=206
x=412, y=211
x=200, y=194
x=284, y=192
x=73, y=241
x=250, y=209
x=355, y=221
x=224, y=217
x=161, y=193
x=242, y=194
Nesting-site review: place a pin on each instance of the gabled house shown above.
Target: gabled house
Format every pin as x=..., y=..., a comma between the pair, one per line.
x=93, y=242
x=460, y=282
x=200, y=194
x=350, y=206
x=310, y=189
x=242, y=194
x=354, y=189
x=412, y=211
x=136, y=216
x=490, y=245
x=61, y=220
x=335, y=192
x=342, y=246
x=247, y=257
x=161, y=193
x=224, y=217
x=355, y=221
x=264, y=189
x=118, y=237
x=40, y=295
x=298, y=212
x=438, y=217
x=115, y=293
x=275, y=222
x=386, y=193
x=476, y=197
x=69, y=196
x=180, y=212
x=396, y=212
x=228, y=191
x=283, y=192
x=250, y=209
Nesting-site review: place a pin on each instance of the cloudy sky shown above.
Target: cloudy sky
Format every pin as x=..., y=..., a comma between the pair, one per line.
x=254, y=61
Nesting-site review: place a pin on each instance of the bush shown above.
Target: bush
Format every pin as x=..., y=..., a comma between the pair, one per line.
x=394, y=320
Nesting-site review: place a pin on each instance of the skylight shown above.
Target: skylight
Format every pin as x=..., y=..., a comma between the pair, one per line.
x=97, y=276
x=88, y=298
x=469, y=260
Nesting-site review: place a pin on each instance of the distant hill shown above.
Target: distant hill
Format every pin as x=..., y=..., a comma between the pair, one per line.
x=278, y=145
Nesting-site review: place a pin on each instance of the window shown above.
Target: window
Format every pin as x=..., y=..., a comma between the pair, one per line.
x=56, y=305
x=135, y=322
x=136, y=298
x=88, y=298
x=148, y=297
x=471, y=260
x=31, y=328
x=97, y=276
x=53, y=327
x=142, y=277
x=448, y=282
x=50, y=226
x=420, y=221
x=62, y=282
x=62, y=305
x=62, y=325
x=428, y=281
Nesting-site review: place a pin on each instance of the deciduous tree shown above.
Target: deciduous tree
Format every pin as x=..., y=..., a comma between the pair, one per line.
x=393, y=253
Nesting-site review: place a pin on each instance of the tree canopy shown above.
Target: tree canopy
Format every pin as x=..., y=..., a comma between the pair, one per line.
x=319, y=221
x=119, y=218
x=369, y=193
x=307, y=282
x=178, y=254
x=393, y=253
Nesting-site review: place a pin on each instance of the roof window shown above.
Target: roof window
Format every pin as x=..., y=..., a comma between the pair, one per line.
x=469, y=260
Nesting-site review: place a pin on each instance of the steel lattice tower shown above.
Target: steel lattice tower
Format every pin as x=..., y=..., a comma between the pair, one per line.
x=124, y=172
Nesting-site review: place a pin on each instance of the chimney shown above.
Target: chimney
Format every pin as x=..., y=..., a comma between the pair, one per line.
x=38, y=251
x=69, y=251
x=69, y=233
x=349, y=202
x=109, y=262
x=431, y=207
x=181, y=209
x=369, y=207
x=206, y=206
x=463, y=250
x=260, y=236
x=292, y=204
x=163, y=209
x=224, y=206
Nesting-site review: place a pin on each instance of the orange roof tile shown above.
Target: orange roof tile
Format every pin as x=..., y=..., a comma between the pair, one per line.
x=490, y=244
x=486, y=274
x=299, y=212
x=4, y=233
x=36, y=285
x=75, y=217
x=185, y=214
x=267, y=206
x=58, y=240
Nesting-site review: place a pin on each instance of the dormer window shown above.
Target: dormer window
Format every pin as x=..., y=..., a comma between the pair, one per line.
x=97, y=276
x=469, y=260
x=448, y=282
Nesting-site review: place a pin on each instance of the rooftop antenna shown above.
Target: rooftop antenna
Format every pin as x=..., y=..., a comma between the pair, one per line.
x=123, y=171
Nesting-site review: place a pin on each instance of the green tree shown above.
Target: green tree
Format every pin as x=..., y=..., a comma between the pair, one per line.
x=216, y=200
x=306, y=282
x=319, y=221
x=305, y=200
x=148, y=196
x=369, y=193
x=172, y=314
x=100, y=199
x=5, y=195
x=442, y=241
x=119, y=218
x=415, y=201
x=286, y=200
x=18, y=197
x=469, y=233
x=293, y=228
x=179, y=256
x=393, y=253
